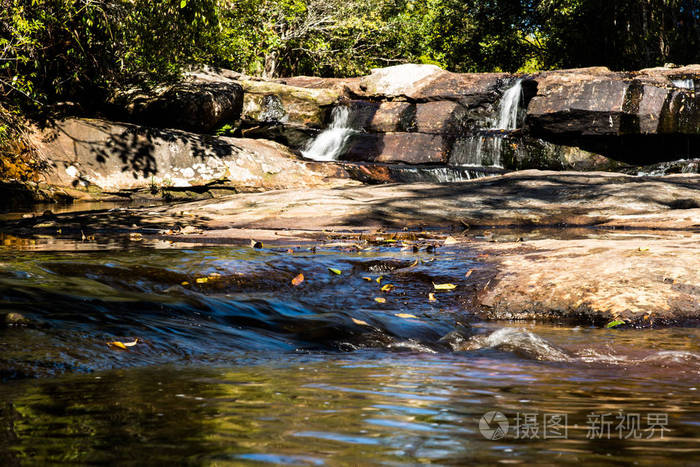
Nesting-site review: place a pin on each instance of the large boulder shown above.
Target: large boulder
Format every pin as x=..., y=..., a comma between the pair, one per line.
x=101, y=155
x=598, y=102
x=201, y=102
x=268, y=102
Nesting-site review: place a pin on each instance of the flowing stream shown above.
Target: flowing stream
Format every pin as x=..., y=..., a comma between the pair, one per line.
x=233, y=363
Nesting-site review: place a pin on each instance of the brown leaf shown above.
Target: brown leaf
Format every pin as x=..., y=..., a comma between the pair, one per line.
x=298, y=280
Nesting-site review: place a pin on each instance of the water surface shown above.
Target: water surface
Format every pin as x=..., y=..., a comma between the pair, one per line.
x=232, y=364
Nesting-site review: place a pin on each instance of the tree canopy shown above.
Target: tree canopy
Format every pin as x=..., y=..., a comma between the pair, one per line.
x=54, y=50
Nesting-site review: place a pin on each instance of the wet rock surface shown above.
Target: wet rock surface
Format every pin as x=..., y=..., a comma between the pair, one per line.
x=633, y=257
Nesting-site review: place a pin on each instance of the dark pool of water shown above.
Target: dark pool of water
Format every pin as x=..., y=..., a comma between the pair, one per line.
x=232, y=363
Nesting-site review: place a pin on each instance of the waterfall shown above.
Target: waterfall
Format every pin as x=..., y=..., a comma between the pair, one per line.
x=331, y=142
x=510, y=102
x=684, y=84
x=491, y=142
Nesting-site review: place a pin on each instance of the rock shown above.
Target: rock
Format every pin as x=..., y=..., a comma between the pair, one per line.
x=14, y=319
x=643, y=282
x=268, y=102
x=199, y=103
x=525, y=198
x=410, y=148
x=691, y=166
x=639, y=117
x=430, y=83
x=114, y=157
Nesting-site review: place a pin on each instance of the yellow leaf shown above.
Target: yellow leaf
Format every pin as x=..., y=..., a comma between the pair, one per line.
x=360, y=322
x=387, y=287
x=444, y=286
x=335, y=271
x=379, y=279
x=185, y=283
x=298, y=280
x=122, y=345
x=369, y=279
x=202, y=280
x=431, y=297
x=405, y=315
x=380, y=300
x=643, y=248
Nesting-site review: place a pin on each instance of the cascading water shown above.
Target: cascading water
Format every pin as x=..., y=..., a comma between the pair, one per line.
x=684, y=84
x=485, y=149
x=329, y=144
x=510, y=102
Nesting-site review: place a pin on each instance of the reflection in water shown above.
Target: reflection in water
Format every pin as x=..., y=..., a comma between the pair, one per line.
x=345, y=408
x=234, y=364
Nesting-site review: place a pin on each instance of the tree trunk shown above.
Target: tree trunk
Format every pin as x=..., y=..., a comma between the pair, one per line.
x=270, y=70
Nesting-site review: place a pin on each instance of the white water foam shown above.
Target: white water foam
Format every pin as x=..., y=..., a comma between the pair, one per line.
x=331, y=142
x=520, y=342
x=473, y=151
x=684, y=83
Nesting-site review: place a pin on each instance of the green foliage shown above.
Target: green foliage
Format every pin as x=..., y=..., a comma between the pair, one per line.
x=83, y=50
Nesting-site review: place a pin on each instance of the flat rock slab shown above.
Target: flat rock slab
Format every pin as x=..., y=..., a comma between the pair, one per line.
x=527, y=198
x=643, y=281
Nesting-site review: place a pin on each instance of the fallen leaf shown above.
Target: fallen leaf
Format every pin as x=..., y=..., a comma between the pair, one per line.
x=380, y=300
x=368, y=279
x=405, y=315
x=614, y=323
x=431, y=297
x=185, y=283
x=202, y=280
x=122, y=345
x=643, y=248
x=444, y=286
x=298, y=280
x=450, y=241
x=387, y=287
x=379, y=279
x=359, y=321
x=335, y=271
x=254, y=244
x=469, y=273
